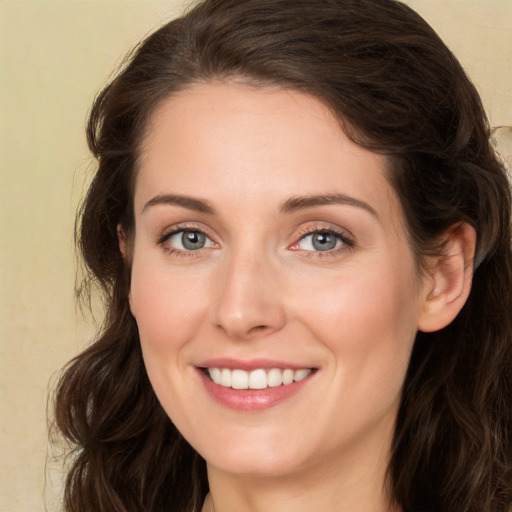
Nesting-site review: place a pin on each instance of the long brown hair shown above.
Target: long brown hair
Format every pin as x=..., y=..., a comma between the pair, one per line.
x=397, y=90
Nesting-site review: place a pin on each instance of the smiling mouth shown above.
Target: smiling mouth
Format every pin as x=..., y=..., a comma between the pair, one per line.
x=256, y=379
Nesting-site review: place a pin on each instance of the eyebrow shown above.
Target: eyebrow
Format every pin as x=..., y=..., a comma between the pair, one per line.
x=302, y=202
x=293, y=204
x=191, y=203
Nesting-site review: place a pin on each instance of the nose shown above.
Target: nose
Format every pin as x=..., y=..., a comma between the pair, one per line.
x=248, y=300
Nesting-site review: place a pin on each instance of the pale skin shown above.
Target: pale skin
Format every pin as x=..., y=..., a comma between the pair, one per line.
x=228, y=162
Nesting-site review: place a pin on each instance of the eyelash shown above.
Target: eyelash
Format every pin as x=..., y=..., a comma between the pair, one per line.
x=347, y=241
x=172, y=251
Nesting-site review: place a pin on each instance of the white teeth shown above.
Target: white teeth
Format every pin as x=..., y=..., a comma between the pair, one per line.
x=288, y=376
x=257, y=379
x=239, y=379
x=274, y=378
x=215, y=375
x=225, y=378
x=300, y=375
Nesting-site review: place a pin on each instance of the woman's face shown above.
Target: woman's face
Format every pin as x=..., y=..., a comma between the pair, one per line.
x=269, y=247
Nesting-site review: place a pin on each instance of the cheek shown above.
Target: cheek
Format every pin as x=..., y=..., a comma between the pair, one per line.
x=167, y=309
x=368, y=321
x=361, y=300
x=368, y=324
x=167, y=306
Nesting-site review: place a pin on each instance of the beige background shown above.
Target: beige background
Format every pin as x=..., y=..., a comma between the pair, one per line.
x=54, y=57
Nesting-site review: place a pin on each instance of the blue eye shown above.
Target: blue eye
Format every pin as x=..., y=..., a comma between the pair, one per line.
x=320, y=241
x=185, y=240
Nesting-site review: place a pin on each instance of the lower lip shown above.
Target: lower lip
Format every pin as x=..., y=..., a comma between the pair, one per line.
x=252, y=399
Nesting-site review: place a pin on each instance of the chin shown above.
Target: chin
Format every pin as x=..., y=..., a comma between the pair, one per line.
x=264, y=465
x=264, y=458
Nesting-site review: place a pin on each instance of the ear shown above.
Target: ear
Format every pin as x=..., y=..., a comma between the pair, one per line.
x=121, y=238
x=126, y=250
x=448, y=283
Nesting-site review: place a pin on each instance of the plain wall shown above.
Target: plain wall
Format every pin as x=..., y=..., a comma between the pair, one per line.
x=54, y=57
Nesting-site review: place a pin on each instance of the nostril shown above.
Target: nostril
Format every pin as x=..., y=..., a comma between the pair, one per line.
x=257, y=328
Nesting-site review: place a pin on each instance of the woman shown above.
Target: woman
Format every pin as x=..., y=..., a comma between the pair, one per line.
x=303, y=236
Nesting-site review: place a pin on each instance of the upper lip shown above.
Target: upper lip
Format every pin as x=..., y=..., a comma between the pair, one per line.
x=249, y=365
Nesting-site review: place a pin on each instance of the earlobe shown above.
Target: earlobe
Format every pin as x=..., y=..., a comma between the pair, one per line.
x=448, y=284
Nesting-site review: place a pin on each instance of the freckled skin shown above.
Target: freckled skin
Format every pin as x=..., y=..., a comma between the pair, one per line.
x=258, y=289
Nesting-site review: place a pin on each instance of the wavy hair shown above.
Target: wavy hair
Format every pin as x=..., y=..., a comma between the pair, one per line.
x=396, y=90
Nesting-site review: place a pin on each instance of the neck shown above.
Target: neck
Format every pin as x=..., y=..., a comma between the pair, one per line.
x=357, y=487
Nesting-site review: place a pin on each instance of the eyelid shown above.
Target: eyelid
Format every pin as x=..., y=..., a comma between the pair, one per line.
x=183, y=226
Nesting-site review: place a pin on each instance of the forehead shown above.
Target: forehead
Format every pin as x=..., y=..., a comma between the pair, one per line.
x=222, y=110
x=230, y=141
